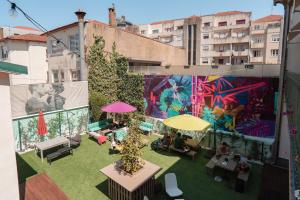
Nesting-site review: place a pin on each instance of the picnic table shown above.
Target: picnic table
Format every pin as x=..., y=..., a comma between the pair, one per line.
x=48, y=144
x=229, y=165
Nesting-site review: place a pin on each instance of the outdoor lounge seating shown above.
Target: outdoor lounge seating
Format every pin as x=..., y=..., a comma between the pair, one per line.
x=119, y=134
x=146, y=127
x=60, y=152
x=194, y=144
x=96, y=126
x=171, y=185
x=97, y=136
x=189, y=153
x=75, y=140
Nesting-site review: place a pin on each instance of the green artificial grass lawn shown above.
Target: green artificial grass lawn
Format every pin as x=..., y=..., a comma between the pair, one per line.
x=79, y=177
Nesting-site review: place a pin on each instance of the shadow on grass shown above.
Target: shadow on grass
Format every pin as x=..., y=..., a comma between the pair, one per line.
x=103, y=187
x=24, y=169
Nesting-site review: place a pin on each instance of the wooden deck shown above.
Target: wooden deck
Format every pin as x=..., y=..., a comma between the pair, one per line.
x=41, y=187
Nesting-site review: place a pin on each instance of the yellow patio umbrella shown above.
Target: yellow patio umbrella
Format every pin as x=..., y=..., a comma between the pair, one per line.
x=187, y=122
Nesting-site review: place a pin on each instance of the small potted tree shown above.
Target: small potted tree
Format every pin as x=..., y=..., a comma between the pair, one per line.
x=131, y=153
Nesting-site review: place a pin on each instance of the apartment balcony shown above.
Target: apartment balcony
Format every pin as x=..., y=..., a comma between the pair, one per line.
x=258, y=31
x=257, y=45
x=257, y=59
x=221, y=54
x=229, y=40
x=241, y=53
x=229, y=27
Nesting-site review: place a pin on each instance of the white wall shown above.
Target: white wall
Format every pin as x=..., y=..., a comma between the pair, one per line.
x=33, y=56
x=9, y=188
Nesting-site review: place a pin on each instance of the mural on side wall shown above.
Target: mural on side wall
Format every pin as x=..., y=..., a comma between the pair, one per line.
x=236, y=104
x=45, y=97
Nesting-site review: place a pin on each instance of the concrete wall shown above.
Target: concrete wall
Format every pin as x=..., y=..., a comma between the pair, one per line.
x=134, y=46
x=284, y=145
x=205, y=70
x=8, y=169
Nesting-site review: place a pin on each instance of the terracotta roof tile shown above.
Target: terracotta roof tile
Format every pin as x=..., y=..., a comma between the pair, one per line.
x=231, y=13
x=270, y=18
x=26, y=28
x=26, y=37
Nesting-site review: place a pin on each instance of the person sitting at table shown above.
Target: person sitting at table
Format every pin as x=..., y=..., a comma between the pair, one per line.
x=179, y=142
x=166, y=140
x=223, y=149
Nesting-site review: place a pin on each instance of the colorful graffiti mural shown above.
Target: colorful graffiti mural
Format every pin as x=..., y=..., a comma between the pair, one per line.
x=236, y=104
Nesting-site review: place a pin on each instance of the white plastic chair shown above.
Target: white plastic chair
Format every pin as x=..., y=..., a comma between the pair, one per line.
x=146, y=198
x=171, y=185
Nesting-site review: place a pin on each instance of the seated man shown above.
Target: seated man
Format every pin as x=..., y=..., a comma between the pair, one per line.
x=166, y=140
x=179, y=142
x=223, y=149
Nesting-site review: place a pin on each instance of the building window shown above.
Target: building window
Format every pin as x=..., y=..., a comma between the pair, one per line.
x=205, y=36
x=204, y=60
x=256, y=53
x=194, y=44
x=74, y=42
x=257, y=40
x=240, y=34
x=274, y=52
x=179, y=27
x=169, y=29
x=205, y=48
x=221, y=35
x=143, y=32
x=206, y=24
x=179, y=38
x=75, y=74
x=62, y=76
x=274, y=25
x=189, y=44
x=222, y=24
x=155, y=31
x=56, y=47
x=3, y=52
x=241, y=21
x=276, y=38
x=257, y=27
x=55, y=76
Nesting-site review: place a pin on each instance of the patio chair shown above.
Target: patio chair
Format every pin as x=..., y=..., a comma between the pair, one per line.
x=171, y=185
x=75, y=140
x=146, y=198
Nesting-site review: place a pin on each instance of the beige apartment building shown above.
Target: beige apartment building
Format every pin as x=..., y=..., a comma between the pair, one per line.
x=224, y=38
x=65, y=64
x=266, y=40
x=168, y=31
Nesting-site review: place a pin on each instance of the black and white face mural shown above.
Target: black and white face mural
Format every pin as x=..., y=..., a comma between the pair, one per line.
x=45, y=97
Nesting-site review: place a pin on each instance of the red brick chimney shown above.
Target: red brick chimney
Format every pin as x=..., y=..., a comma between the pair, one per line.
x=112, y=16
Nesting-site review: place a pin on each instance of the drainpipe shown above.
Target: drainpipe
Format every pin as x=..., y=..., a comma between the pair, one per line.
x=83, y=69
x=275, y=150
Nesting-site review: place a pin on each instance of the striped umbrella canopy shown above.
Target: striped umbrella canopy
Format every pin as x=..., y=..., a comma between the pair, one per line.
x=41, y=125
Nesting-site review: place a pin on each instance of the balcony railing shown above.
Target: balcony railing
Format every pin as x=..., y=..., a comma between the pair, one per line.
x=229, y=40
x=258, y=31
x=256, y=59
x=257, y=45
x=235, y=26
x=221, y=54
x=241, y=53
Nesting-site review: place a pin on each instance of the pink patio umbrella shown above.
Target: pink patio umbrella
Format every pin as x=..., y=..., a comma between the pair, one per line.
x=118, y=107
x=41, y=125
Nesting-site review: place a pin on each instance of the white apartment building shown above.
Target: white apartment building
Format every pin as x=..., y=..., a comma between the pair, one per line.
x=265, y=41
x=224, y=38
x=28, y=50
x=168, y=31
x=7, y=31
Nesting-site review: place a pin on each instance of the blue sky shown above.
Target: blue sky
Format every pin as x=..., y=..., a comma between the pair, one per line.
x=54, y=13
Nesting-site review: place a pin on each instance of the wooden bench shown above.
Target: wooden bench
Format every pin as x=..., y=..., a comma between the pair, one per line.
x=58, y=153
x=189, y=153
x=210, y=167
